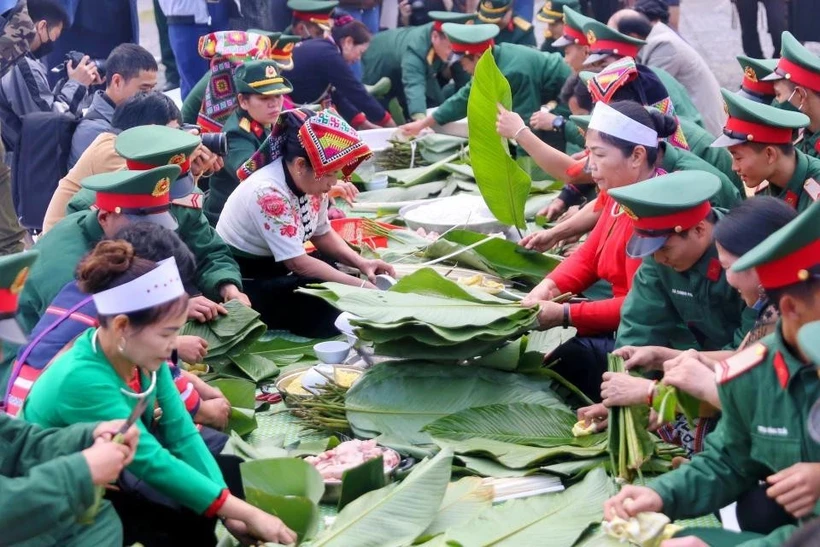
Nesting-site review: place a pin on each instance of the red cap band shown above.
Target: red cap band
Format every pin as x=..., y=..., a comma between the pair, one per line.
x=8, y=301
x=473, y=49
x=618, y=48
x=759, y=132
x=679, y=221
x=798, y=74
x=437, y=25
x=575, y=35
x=787, y=270
x=318, y=18
x=112, y=202
x=761, y=88
x=134, y=165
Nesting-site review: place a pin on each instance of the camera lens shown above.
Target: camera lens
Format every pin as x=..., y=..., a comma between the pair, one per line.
x=216, y=143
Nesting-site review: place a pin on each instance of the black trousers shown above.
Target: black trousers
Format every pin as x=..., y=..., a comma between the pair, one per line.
x=776, y=20
x=757, y=512
x=582, y=362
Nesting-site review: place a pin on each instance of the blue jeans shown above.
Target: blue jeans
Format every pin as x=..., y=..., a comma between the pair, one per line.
x=370, y=18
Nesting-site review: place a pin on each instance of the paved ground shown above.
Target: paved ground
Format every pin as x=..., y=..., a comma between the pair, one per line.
x=716, y=36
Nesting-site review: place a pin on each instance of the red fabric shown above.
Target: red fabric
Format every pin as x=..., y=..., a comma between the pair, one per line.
x=472, y=49
x=764, y=88
x=781, y=369
x=318, y=18
x=798, y=75
x=358, y=120
x=437, y=25
x=8, y=301
x=133, y=165
x=683, y=220
x=791, y=198
x=601, y=256
x=618, y=48
x=110, y=202
x=787, y=269
x=713, y=271
x=384, y=121
x=575, y=35
x=214, y=508
x=760, y=132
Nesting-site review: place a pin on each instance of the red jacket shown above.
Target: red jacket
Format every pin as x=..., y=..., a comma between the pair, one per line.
x=601, y=256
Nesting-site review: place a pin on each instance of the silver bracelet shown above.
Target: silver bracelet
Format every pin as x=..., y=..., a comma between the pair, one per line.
x=523, y=127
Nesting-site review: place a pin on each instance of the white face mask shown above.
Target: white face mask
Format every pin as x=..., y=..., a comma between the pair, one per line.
x=789, y=101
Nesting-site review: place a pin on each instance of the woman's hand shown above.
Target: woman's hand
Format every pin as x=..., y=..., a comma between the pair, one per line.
x=260, y=527
x=690, y=375
x=372, y=268
x=550, y=314
x=596, y=414
x=546, y=290
x=192, y=349
x=632, y=500
x=204, y=162
x=543, y=120
x=345, y=190
x=796, y=488
x=131, y=438
x=622, y=389
x=414, y=128
x=203, y=309
x=106, y=460
x=508, y=124
x=555, y=209
x=541, y=241
x=229, y=292
x=645, y=357
x=214, y=413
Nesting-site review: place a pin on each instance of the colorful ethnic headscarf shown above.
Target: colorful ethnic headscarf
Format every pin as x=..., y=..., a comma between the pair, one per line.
x=226, y=50
x=331, y=143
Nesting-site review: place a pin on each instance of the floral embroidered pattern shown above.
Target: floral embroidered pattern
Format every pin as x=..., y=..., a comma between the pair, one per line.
x=278, y=212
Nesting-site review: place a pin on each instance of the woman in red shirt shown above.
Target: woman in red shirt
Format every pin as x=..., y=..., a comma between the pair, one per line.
x=623, y=147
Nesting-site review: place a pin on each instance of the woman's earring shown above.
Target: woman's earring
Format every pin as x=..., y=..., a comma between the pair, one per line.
x=121, y=345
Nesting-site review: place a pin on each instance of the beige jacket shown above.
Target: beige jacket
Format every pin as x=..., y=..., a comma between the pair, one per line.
x=98, y=158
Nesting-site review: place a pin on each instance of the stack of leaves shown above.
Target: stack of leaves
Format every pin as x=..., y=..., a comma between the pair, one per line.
x=425, y=316
x=242, y=396
x=228, y=334
x=630, y=444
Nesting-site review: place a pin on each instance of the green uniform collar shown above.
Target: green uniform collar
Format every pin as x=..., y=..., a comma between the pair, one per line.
x=91, y=228
x=795, y=185
x=782, y=354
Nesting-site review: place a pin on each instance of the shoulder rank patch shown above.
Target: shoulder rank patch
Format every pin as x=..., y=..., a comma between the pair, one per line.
x=245, y=124
x=431, y=56
x=762, y=187
x=812, y=188
x=713, y=270
x=739, y=363
x=521, y=23
x=191, y=201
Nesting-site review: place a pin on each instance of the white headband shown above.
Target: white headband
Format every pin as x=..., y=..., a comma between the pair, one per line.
x=160, y=285
x=608, y=120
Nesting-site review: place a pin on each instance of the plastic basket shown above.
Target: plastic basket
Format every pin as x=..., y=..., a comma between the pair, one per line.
x=360, y=231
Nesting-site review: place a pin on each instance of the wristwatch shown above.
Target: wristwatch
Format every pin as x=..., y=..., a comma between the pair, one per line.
x=558, y=123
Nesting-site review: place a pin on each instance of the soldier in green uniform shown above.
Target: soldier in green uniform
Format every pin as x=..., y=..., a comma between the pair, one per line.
x=607, y=45
x=552, y=13
x=754, y=85
x=512, y=29
x=796, y=81
x=48, y=476
x=535, y=78
x=766, y=394
x=759, y=137
x=679, y=296
x=260, y=88
x=415, y=59
x=573, y=40
x=311, y=18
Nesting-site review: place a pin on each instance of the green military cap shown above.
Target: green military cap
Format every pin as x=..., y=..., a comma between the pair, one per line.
x=553, y=10
x=753, y=87
x=14, y=270
x=574, y=23
x=148, y=146
x=142, y=196
x=281, y=51
x=605, y=41
x=441, y=17
x=492, y=11
x=261, y=78
x=663, y=206
x=750, y=121
x=808, y=338
x=790, y=255
x=313, y=11
x=797, y=64
x=470, y=39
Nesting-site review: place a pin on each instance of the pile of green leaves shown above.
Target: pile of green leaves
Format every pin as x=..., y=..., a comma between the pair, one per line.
x=228, y=334
x=630, y=444
x=426, y=316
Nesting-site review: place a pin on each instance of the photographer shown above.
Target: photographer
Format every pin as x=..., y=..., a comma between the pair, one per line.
x=25, y=89
x=129, y=69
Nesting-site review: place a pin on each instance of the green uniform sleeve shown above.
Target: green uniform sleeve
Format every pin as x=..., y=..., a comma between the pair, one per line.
x=414, y=80
x=193, y=102
x=454, y=108
x=241, y=146
x=645, y=316
x=718, y=475
x=748, y=318
x=26, y=445
x=91, y=395
x=51, y=495
x=215, y=265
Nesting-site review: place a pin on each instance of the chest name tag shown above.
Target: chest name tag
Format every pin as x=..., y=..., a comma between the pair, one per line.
x=679, y=292
x=812, y=188
x=773, y=431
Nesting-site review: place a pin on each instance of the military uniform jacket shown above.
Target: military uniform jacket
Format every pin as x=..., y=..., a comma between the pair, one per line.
x=766, y=393
x=804, y=187
x=245, y=136
x=677, y=159
x=535, y=78
x=406, y=56
x=45, y=480
x=693, y=309
x=518, y=31
x=809, y=143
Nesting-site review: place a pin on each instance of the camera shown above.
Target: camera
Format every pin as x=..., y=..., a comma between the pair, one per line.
x=215, y=142
x=419, y=16
x=75, y=57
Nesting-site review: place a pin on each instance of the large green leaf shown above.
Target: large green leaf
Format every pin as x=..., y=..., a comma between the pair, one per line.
x=399, y=399
x=516, y=456
x=557, y=520
x=362, y=479
x=256, y=367
x=390, y=195
x=503, y=184
x=463, y=501
x=299, y=513
x=517, y=423
x=233, y=332
x=242, y=396
x=394, y=515
x=268, y=448
x=429, y=282
x=489, y=468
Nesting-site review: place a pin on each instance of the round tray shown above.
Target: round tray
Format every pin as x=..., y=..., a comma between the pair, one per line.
x=285, y=379
x=483, y=226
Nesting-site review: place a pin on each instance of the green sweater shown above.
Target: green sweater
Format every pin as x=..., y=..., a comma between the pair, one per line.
x=82, y=385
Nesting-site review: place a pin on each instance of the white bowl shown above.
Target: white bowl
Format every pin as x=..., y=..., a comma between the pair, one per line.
x=378, y=182
x=332, y=353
